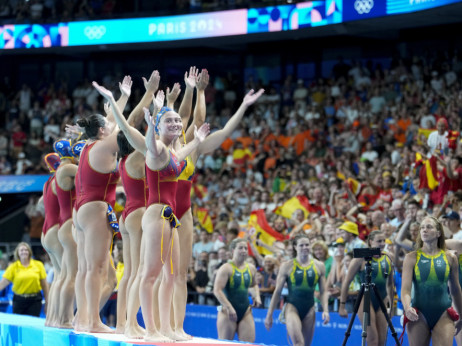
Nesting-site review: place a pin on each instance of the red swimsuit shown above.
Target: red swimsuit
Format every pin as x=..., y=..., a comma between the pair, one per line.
x=164, y=182
x=136, y=190
x=66, y=200
x=91, y=185
x=51, y=206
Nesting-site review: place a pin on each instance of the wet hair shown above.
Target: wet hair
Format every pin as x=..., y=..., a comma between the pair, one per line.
x=124, y=146
x=295, y=241
x=16, y=251
x=439, y=227
x=372, y=236
x=236, y=241
x=92, y=125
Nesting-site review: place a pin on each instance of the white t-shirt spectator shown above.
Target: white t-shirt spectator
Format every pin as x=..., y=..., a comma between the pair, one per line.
x=437, y=142
x=370, y=155
x=377, y=103
x=201, y=247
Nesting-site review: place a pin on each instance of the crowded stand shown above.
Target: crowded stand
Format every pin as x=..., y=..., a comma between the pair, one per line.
x=370, y=150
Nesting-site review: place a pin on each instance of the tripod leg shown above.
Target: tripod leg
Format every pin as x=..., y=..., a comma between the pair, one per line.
x=384, y=310
x=366, y=312
x=355, y=311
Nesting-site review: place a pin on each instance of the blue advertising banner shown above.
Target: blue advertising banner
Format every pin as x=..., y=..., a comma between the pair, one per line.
x=201, y=321
x=407, y=6
x=22, y=183
x=363, y=9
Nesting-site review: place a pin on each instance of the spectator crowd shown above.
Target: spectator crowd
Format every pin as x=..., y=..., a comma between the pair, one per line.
x=369, y=148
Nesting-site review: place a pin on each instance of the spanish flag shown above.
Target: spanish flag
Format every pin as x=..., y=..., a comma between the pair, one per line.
x=428, y=172
x=199, y=190
x=263, y=231
x=204, y=219
x=355, y=186
x=425, y=132
x=297, y=202
x=452, y=139
x=240, y=156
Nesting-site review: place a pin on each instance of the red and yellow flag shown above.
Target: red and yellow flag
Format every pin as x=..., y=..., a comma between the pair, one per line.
x=240, y=156
x=288, y=208
x=428, y=173
x=263, y=231
x=204, y=219
x=199, y=190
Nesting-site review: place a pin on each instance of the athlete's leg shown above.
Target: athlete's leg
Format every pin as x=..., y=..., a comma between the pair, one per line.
x=246, y=327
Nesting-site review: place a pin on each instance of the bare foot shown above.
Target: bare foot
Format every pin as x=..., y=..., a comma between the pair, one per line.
x=100, y=327
x=66, y=325
x=171, y=335
x=132, y=332
x=156, y=337
x=140, y=329
x=182, y=336
x=119, y=329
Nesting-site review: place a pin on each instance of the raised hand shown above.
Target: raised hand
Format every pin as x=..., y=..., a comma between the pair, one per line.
x=147, y=117
x=126, y=86
x=202, y=80
x=203, y=131
x=190, y=80
x=152, y=84
x=107, y=108
x=107, y=94
x=73, y=130
x=158, y=100
x=173, y=95
x=251, y=97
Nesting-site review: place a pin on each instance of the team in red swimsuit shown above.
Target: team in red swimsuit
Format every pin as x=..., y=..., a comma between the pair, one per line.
x=92, y=185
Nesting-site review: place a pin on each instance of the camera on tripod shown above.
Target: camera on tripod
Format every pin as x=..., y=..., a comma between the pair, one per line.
x=366, y=252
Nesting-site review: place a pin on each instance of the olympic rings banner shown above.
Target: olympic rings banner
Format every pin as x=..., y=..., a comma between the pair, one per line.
x=204, y=25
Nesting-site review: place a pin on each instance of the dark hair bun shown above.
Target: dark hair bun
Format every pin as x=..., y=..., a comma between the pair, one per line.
x=83, y=122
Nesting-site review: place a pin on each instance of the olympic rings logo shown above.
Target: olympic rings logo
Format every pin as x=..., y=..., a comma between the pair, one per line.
x=364, y=6
x=94, y=32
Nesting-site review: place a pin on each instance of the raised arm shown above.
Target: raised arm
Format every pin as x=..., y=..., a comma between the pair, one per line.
x=280, y=281
x=199, y=136
x=186, y=104
x=134, y=137
x=401, y=237
x=173, y=95
x=151, y=143
x=136, y=116
x=200, y=108
x=216, y=138
x=125, y=92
